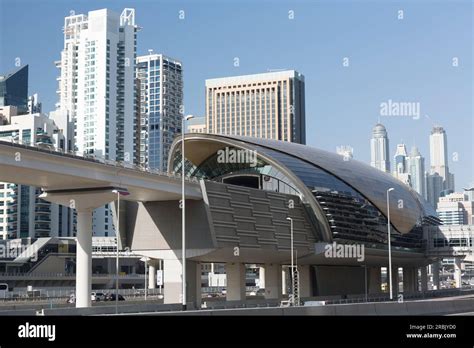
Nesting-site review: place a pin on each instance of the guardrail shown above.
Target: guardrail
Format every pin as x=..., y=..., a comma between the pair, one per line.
x=62, y=294
x=91, y=158
x=65, y=275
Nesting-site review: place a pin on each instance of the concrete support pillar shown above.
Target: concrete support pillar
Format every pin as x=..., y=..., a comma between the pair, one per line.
x=261, y=277
x=409, y=280
x=85, y=201
x=424, y=279
x=304, y=272
x=284, y=280
x=84, y=259
x=152, y=275
x=272, y=281
x=395, y=280
x=435, y=271
x=374, y=276
x=235, y=273
x=172, y=277
x=457, y=272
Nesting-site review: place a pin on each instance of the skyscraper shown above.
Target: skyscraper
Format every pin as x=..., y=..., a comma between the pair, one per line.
x=439, y=157
x=14, y=89
x=438, y=165
x=434, y=187
x=401, y=171
x=161, y=103
x=96, y=88
x=416, y=169
x=269, y=105
x=96, y=84
x=379, y=149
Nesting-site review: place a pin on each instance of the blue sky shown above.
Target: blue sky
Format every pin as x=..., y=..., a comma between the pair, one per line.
x=408, y=60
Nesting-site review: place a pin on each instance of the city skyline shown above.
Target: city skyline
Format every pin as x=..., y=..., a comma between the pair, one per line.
x=336, y=94
x=204, y=157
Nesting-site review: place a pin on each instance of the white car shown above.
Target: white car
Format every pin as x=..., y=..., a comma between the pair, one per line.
x=259, y=292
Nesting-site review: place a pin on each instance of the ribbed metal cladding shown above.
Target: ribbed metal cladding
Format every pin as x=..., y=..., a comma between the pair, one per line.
x=252, y=218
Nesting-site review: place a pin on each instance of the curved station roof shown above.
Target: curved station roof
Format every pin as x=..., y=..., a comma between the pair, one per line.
x=348, y=197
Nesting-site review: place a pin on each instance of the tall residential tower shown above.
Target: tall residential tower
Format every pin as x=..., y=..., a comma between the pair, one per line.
x=439, y=156
x=379, y=149
x=401, y=170
x=416, y=168
x=97, y=86
x=439, y=170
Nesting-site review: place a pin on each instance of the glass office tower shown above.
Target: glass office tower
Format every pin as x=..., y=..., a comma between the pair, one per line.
x=161, y=100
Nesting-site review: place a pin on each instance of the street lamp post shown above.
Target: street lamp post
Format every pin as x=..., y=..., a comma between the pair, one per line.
x=117, y=236
x=183, y=214
x=389, y=244
x=292, y=264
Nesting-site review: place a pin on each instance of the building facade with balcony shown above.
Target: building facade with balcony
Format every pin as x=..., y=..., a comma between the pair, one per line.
x=22, y=213
x=97, y=89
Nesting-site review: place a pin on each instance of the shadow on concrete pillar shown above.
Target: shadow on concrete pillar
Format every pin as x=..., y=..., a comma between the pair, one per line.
x=235, y=274
x=272, y=281
x=409, y=280
x=374, y=280
x=304, y=272
x=423, y=279
x=395, y=281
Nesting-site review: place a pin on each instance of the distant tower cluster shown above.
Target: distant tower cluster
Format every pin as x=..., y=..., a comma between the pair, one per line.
x=410, y=168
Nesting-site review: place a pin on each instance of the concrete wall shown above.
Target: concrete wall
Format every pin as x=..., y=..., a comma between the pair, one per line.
x=440, y=307
x=229, y=216
x=157, y=225
x=337, y=280
x=51, y=264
